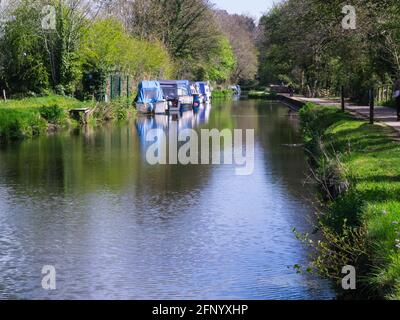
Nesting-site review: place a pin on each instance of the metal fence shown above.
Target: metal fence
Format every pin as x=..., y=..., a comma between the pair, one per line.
x=120, y=86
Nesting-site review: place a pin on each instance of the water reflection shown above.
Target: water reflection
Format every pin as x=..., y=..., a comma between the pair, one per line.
x=183, y=120
x=116, y=227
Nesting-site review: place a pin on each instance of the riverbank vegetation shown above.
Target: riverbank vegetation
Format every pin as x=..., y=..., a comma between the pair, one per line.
x=34, y=116
x=268, y=95
x=71, y=49
x=144, y=39
x=222, y=94
x=303, y=43
x=356, y=166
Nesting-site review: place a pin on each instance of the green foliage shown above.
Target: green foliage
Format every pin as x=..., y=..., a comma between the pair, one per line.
x=36, y=59
x=20, y=123
x=361, y=225
x=65, y=103
x=107, y=48
x=162, y=40
x=221, y=62
x=303, y=44
x=222, y=94
x=263, y=95
x=115, y=110
x=187, y=28
x=30, y=117
x=52, y=114
x=21, y=47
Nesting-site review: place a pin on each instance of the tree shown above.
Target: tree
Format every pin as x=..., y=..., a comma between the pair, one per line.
x=240, y=31
x=107, y=48
x=221, y=63
x=303, y=43
x=186, y=27
x=23, y=66
x=37, y=58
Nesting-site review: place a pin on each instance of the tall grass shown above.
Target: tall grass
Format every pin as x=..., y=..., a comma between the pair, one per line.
x=20, y=123
x=222, y=94
x=262, y=95
x=31, y=116
x=37, y=102
x=362, y=222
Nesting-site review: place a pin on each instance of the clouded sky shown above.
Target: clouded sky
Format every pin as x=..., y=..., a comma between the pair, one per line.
x=253, y=7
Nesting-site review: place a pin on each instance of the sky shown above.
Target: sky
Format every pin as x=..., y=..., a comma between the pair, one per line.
x=253, y=7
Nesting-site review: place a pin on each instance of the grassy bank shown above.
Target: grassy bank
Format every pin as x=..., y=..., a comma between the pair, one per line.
x=358, y=170
x=63, y=102
x=35, y=116
x=222, y=94
x=262, y=95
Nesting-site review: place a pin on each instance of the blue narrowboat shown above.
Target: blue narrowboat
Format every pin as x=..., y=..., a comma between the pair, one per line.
x=178, y=94
x=150, y=98
x=204, y=90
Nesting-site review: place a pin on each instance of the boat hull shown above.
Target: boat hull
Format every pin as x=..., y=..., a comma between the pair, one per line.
x=145, y=108
x=161, y=107
x=186, y=103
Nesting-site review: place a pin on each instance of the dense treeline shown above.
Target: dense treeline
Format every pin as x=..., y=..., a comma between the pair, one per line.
x=90, y=40
x=303, y=43
x=241, y=31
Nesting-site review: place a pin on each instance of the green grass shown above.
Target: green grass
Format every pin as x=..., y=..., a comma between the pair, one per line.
x=20, y=123
x=31, y=116
x=262, y=95
x=371, y=159
x=222, y=94
x=37, y=102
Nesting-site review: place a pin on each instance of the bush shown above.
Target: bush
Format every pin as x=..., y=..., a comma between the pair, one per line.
x=52, y=114
x=17, y=124
x=263, y=95
x=115, y=110
x=222, y=94
x=361, y=223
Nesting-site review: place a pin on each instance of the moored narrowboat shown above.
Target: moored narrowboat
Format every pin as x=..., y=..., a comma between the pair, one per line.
x=150, y=98
x=205, y=91
x=178, y=94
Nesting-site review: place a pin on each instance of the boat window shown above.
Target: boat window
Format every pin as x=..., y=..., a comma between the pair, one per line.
x=169, y=92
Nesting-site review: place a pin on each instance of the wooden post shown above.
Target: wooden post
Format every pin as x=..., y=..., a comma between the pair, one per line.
x=342, y=96
x=371, y=106
x=4, y=96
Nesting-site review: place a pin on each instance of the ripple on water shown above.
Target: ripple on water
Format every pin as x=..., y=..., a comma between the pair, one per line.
x=117, y=228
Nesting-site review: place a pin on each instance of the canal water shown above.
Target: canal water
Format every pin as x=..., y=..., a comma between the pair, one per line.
x=115, y=227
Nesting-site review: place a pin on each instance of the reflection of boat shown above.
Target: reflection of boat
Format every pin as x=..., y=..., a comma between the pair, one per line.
x=178, y=120
x=237, y=90
x=202, y=116
x=178, y=94
x=185, y=121
x=150, y=98
x=197, y=97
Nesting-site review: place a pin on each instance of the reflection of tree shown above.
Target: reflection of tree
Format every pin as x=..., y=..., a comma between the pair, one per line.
x=111, y=157
x=278, y=133
x=34, y=163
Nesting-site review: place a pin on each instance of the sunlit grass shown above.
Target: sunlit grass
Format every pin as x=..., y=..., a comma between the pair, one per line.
x=37, y=102
x=27, y=117
x=371, y=156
